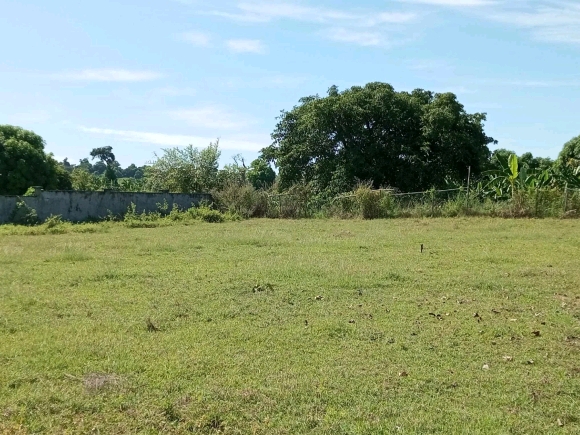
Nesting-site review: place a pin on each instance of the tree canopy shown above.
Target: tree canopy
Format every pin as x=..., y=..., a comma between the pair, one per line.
x=185, y=169
x=106, y=156
x=260, y=174
x=23, y=163
x=570, y=154
x=405, y=140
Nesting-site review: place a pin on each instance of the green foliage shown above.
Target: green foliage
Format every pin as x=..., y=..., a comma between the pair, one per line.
x=23, y=163
x=242, y=199
x=261, y=174
x=106, y=156
x=411, y=141
x=233, y=174
x=570, y=154
x=185, y=169
x=368, y=201
x=53, y=221
x=163, y=217
x=207, y=214
x=31, y=191
x=23, y=214
x=85, y=181
x=132, y=185
x=134, y=219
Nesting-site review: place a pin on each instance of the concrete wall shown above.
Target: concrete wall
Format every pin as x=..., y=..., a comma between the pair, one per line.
x=79, y=206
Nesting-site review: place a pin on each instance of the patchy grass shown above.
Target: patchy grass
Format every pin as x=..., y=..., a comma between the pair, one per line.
x=289, y=327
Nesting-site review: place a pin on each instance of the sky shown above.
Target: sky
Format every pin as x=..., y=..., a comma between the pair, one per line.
x=143, y=75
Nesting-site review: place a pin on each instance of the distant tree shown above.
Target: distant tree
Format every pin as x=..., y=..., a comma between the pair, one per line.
x=570, y=154
x=131, y=171
x=407, y=140
x=106, y=156
x=185, y=169
x=261, y=174
x=67, y=165
x=84, y=180
x=234, y=173
x=498, y=158
x=140, y=173
x=527, y=161
x=530, y=162
x=24, y=163
x=99, y=168
x=85, y=164
x=128, y=172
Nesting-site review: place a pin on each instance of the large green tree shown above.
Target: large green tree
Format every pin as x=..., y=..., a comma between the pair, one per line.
x=24, y=163
x=373, y=133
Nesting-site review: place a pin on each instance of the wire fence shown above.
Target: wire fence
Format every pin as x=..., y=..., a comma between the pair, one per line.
x=384, y=203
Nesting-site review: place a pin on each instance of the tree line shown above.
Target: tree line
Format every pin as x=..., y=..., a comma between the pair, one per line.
x=408, y=141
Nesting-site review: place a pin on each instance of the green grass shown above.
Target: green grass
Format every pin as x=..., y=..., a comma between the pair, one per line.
x=291, y=327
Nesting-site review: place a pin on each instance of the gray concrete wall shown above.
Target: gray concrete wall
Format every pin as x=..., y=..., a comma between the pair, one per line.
x=79, y=206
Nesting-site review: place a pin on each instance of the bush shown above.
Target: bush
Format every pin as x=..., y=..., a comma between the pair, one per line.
x=24, y=215
x=206, y=214
x=368, y=202
x=53, y=221
x=243, y=200
x=132, y=219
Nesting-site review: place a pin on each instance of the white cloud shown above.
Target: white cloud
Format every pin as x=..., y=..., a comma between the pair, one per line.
x=246, y=46
x=262, y=12
x=196, y=38
x=359, y=26
x=233, y=142
x=108, y=75
x=212, y=117
x=363, y=38
x=548, y=21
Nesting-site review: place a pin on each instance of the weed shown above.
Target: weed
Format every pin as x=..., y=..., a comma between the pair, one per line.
x=53, y=221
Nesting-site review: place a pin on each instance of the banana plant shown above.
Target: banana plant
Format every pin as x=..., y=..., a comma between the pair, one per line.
x=503, y=182
x=571, y=178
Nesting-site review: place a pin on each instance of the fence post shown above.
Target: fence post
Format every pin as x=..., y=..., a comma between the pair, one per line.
x=566, y=198
x=468, y=185
x=433, y=202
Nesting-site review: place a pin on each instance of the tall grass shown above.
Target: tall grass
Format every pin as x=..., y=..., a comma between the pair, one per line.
x=235, y=202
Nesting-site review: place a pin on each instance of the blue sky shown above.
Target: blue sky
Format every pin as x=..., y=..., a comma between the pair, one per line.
x=142, y=75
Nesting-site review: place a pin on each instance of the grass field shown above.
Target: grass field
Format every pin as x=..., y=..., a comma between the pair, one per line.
x=291, y=327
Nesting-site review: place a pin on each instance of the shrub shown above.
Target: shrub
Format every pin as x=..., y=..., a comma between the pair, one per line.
x=243, y=200
x=295, y=203
x=176, y=214
x=206, y=214
x=368, y=201
x=53, y=221
x=24, y=215
x=143, y=220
